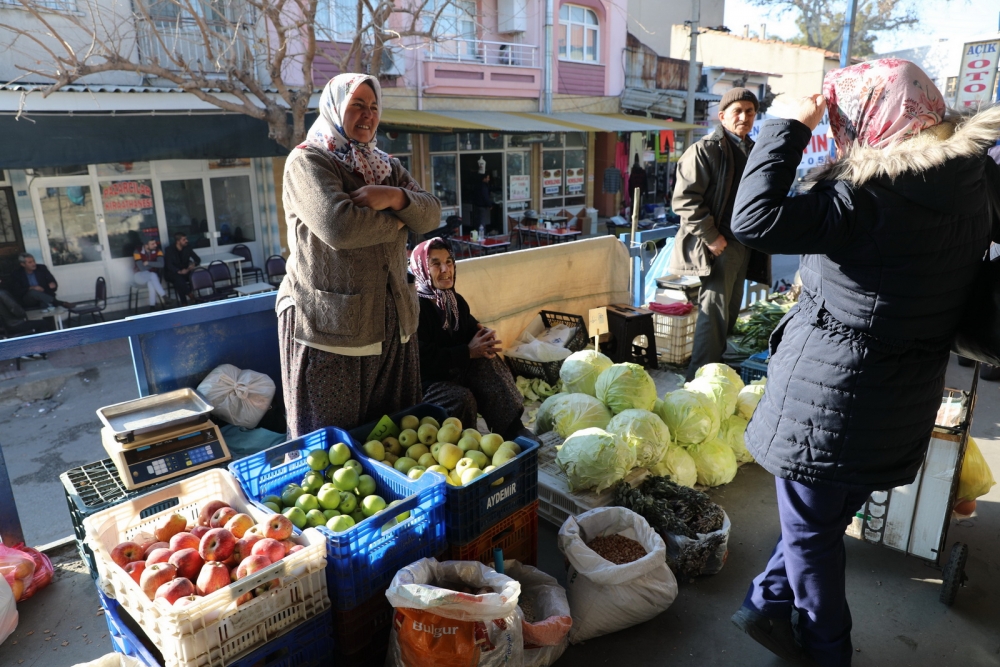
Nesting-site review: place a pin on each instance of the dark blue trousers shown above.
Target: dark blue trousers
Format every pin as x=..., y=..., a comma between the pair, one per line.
x=807, y=569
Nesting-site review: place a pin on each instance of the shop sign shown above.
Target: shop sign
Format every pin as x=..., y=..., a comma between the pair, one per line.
x=977, y=78
x=127, y=198
x=551, y=181
x=817, y=152
x=574, y=181
x=519, y=188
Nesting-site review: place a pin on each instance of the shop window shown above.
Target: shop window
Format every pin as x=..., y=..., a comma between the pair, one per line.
x=397, y=144
x=493, y=141
x=71, y=226
x=564, y=172
x=72, y=170
x=123, y=169
x=518, y=181
x=184, y=207
x=578, y=38
x=129, y=215
x=233, y=209
x=441, y=143
x=444, y=174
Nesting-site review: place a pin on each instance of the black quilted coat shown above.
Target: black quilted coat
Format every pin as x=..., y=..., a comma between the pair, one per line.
x=890, y=241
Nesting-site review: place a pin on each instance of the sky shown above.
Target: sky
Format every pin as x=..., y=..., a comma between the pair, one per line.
x=941, y=19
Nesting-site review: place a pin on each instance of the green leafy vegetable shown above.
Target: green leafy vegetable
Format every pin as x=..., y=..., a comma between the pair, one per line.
x=678, y=465
x=749, y=397
x=691, y=416
x=732, y=433
x=567, y=413
x=594, y=459
x=715, y=461
x=626, y=386
x=720, y=370
x=580, y=371
x=644, y=432
x=722, y=392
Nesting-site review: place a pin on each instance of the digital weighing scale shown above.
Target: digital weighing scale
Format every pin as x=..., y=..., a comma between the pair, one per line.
x=156, y=438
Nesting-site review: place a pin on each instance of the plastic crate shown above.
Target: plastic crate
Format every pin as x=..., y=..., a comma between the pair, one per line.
x=355, y=630
x=754, y=368
x=308, y=645
x=361, y=433
x=213, y=630
x=516, y=536
x=365, y=558
x=556, y=502
x=675, y=336
x=549, y=371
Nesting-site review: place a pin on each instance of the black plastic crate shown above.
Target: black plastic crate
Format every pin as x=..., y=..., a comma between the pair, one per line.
x=754, y=368
x=549, y=370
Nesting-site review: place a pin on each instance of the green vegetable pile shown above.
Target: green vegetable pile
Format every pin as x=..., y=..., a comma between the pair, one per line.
x=536, y=389
x=754, y=331
x=671, y=508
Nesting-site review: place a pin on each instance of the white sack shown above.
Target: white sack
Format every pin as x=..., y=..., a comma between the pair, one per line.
x=241, y=397
x=8, y=611
x=545, y=638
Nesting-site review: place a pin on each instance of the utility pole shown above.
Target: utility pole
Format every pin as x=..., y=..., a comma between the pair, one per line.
x=847, y=41
x=692, y=70
x=547, y=92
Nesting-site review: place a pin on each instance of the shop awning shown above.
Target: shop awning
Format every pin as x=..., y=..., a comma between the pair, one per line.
x=521, y=122
x=429, y=121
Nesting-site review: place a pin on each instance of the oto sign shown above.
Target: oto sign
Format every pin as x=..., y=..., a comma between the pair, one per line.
x=977, y=78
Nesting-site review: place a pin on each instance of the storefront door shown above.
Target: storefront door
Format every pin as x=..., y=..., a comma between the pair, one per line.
x=10, y=233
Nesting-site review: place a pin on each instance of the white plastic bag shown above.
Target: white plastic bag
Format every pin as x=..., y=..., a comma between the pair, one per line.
x=689, y=555
x=546, y=636
x=560, y=334
x=8, y=611
x=536, y=349
x=435, y=624
x=605, y=597
x=241, y=397
x=111, y=660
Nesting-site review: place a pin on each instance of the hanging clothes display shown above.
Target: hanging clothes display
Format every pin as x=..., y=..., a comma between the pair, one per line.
x=612, y=181
x=622, y=165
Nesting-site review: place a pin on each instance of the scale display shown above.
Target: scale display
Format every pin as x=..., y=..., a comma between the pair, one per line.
x=173, y=455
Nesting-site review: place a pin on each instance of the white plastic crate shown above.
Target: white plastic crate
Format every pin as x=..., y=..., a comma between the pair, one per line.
x=556, y=502
x=213, y=631
x=675, y=336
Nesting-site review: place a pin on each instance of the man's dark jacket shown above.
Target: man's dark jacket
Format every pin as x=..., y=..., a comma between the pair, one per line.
x=18, y=284
x=175, y=260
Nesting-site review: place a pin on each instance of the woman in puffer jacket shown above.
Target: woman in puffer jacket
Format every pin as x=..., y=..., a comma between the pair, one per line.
x=890, y=238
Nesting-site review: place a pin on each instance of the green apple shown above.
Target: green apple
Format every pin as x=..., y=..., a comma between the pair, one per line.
x=318, y=459
x=410, y=422
x=372, y=505
x=315, y=518
x=470, y=474
x=468, y=444
x=427, y=460
x=403, y=464
x=339, y=524
x=354, y=463
x=454, y=478
x=375, y=450
x=452, y=420
x=513, y=445
x=312, y=481
x=358, y=515
x=430, y=420
x=490, y=443
x=271, y=498
x=465, y=464
x=290, y=494
x=400, y=518
x=348, y=502
x=438, y=469
x=487, y=470
x=416, y=451
x=427, y=434
x=329, y=472
x=366, y=485
x=472, y=433
x=329, y=514
x=390, y=459
x=415, y=472
x=449, y=433
x=339, y=453
x=435, y=448
x=346, y=479
x=449, y=455
x=392, y=446
x=307, y=502
x=274, y=507
x=478, y=458
x=408, y=438
x=296, y=516
x=503, y=455
x=328, y=496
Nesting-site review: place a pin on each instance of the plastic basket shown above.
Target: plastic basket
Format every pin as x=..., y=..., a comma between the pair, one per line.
x=556, y=502
x=307, y=645
x=361, y=433
x=355, y=630
x=213, y=630
x=754, y=368
x=366, y=557
x=675, y=336
x=516, y=536
x=549, y=371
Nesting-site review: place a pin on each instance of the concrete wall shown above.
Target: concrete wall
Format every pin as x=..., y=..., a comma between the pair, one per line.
x=651, y=20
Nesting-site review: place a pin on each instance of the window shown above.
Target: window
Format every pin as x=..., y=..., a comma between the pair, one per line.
x=951, y=86
x=455, y=30
x=577, y=34
x=56, y=5
x=129, y=215
x=397, y=144
x=233, y=210
x=70, y=223
x=563, y=171
x=184, y=206
x=337, y=20
x=444, y=174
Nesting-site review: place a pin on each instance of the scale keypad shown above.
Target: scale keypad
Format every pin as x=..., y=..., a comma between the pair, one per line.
x=202, y=448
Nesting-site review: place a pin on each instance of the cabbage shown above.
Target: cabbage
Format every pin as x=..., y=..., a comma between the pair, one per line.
x=731, y=432
x=581, y=369
x=678, y=464
x=566, y=413
x=594, y=459
x=720, y=370
x=644, y=432
x=715, y=461
x=748, y=398
x=691, y=416
x=626, y=386
x=722, y=392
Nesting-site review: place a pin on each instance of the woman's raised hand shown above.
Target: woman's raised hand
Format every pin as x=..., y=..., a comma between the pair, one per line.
x=379, y=197
x=811, y=110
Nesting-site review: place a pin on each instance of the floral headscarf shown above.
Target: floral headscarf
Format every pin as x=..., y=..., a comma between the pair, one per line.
x=327, y=133
x=444, y=299
x=881, y=102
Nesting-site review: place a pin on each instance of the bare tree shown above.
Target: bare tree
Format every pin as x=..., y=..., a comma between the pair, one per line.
x=254, y=57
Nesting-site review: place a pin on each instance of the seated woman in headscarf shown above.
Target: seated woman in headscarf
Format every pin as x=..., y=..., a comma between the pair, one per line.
x=459, y=367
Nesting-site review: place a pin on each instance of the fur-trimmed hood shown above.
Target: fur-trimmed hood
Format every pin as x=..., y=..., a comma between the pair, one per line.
x=928, y=150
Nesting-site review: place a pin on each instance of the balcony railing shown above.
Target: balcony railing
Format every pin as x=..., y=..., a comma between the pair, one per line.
x=481, y=52
x=209, y=46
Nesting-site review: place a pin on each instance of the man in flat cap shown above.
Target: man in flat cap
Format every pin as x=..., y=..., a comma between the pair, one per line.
x=707, y=177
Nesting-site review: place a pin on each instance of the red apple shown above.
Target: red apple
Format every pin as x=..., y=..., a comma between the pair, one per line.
x=169, y=526
x=174, y=590
x=199, y=531
x=239, y=524
x=257, y=531
x=184, y=541
x=272, y=549
x=153, y=547
x=159, y=556
x=155, y=576
x=278, y=527
x=222, y=517
x=297, y=547
x=251, y=565
x=288, y=544
x=135, y=569
x=266, y=586
x=246, y=597
x=212, y=577
x=187, y=600
x=188, y=563
x=218, y=544
x=144, y=540
x=125, y=553
x=244, y=547
x=205, y=515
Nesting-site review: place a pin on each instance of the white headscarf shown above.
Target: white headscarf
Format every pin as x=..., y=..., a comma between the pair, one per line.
x=327, y=133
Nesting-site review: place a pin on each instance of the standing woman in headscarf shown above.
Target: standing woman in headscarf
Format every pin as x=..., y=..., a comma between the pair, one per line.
x=891, y=238
x=459, y=366
x=346, y=313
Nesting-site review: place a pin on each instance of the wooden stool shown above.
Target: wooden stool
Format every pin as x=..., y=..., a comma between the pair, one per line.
x=633, y=338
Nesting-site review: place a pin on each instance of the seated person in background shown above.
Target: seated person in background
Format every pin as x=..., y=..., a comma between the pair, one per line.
x=179, y=261
x=459, y=367
x=14, y=321
x=32, y=284
x=148, y=260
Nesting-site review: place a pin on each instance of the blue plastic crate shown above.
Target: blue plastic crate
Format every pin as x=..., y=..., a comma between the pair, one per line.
x=754, y=368
x=307, y=645
x=365, y=558
x=361, y=433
